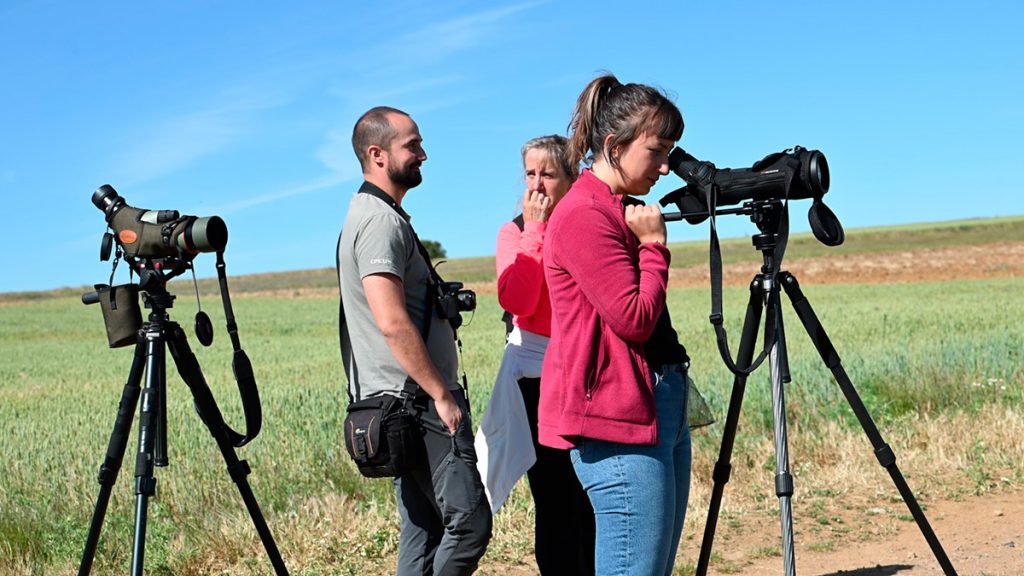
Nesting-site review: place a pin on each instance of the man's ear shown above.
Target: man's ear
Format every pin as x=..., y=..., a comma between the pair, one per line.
x=375, y=154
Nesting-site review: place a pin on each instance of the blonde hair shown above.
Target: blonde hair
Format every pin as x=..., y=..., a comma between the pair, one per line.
x=555, y=146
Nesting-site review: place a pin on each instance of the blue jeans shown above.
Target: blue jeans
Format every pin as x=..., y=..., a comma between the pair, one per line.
x=639, y=493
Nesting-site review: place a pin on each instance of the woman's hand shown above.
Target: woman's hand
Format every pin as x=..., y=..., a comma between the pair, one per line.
x=536, y=206
x=646, y=222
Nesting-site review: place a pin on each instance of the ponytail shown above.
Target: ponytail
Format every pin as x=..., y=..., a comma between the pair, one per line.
x=606, y=106
x=584, y=118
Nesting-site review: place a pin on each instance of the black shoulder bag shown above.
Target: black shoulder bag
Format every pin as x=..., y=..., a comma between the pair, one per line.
x=381, y=434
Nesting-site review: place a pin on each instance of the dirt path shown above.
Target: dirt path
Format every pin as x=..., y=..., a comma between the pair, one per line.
x=981, y=536
x=998, y=260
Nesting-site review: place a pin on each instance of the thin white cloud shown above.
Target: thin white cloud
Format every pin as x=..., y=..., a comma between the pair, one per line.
x=337, y=155
x=176, y=142
x=407, y=74
x=180, y=141
x=441, y=40
x=173, y=143
x=296, y=190
x=393, y=92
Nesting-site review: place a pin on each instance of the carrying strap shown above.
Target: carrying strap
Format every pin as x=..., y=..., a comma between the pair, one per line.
x=410, y=385
x=433, y=288
x=241, y=367
x=706, y=184
x=372, y=190
x=410, y=389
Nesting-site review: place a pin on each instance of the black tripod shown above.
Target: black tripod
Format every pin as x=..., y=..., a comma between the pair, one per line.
x=765, y=295
x=150, y=356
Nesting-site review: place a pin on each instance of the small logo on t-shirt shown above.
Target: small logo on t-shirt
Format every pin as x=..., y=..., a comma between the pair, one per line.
x=380, y=261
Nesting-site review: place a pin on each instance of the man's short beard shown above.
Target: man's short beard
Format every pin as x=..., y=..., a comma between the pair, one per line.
x=409, y=178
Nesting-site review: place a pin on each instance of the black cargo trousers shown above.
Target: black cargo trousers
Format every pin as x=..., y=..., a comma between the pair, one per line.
x=446, y=519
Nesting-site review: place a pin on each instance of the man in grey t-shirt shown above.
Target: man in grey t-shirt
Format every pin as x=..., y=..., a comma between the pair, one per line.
x=386, y=294
x=378, y=240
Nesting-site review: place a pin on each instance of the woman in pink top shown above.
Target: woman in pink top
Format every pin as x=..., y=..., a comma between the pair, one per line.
x=564, y=524
x=614, y=373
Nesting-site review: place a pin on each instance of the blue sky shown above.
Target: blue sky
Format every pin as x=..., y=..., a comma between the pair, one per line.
x=245, y=110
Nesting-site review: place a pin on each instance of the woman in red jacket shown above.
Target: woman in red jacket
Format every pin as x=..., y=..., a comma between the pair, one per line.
x=615, y=374
x=507, y=439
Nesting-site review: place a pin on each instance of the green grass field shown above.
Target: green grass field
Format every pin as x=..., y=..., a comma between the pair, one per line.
x=913, y=351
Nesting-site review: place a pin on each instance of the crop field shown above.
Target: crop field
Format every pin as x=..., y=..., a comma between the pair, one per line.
x=939, y=365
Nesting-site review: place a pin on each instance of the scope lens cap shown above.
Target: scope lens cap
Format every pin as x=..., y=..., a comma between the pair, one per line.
x=204, y=328
x=105, y=246
x=825, y=225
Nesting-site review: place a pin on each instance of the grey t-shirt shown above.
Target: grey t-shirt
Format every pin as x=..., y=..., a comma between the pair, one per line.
x=376, y=239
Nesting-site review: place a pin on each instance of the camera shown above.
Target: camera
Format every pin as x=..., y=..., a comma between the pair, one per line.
x=452, y=301
x=157, y=233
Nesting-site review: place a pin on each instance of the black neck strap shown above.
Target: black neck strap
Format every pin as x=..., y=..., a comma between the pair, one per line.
x=368, y=188
x=375, y=191
x=436, y=280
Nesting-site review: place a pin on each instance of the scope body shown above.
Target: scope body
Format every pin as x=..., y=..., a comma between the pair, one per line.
x=795, y=174
x=159, y=233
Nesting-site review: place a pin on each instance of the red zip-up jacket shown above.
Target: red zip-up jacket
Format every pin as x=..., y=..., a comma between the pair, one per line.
x=521, y=286
x=607, y=291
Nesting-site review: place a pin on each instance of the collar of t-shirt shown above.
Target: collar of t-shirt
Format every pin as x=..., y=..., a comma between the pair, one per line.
x=375, y=191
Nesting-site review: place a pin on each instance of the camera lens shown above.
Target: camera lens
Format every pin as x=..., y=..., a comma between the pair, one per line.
x=467, y=300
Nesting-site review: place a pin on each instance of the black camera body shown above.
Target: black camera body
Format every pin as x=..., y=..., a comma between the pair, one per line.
x=453, y=300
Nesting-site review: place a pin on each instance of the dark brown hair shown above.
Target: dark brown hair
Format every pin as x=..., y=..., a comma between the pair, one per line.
x=373, y=129
x=607, y=106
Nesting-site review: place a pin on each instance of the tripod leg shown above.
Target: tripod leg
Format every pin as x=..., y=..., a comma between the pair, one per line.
x=783, y=478
x=115, y=455
x=883, y=451
x=188, y=368
x=153, y=404
x=723, y=467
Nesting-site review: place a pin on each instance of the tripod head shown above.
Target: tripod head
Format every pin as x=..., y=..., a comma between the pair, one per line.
x=765, y=190
x=121, y=314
